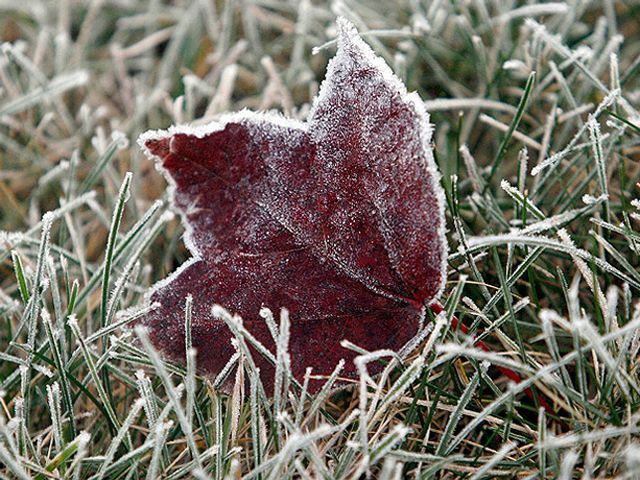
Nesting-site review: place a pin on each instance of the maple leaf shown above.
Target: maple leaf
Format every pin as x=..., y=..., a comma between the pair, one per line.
x=339, y=219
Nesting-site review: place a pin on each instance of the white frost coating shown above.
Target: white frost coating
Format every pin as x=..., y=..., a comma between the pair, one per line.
x=515, y=64
x=584, y=269
x=551, y=8
x=591, y=200
x=444, y=104
x=554, y=159
x=120, y=139
x=595, y=136
x=347, y=38
x=423, y=332
x=632, y=457
x=553, y=222
x=472, y=168
x=475, y=244
x=200, y=131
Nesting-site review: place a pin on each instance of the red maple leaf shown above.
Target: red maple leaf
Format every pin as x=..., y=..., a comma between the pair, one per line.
x=339, y=219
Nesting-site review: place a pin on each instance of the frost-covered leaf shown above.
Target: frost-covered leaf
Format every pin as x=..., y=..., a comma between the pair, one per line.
x=338, y=219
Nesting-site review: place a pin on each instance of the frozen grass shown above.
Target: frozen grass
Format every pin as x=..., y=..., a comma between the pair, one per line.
x=537, y=129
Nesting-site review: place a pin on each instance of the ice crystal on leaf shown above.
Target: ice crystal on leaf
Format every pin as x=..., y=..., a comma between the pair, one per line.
x=338, y=219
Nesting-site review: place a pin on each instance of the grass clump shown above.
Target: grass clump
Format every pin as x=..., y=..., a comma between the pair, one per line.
x=537, y=128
